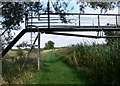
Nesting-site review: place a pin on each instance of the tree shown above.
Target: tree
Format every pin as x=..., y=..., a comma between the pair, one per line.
x=49, y=45
x=13, y=14
x=104, y=6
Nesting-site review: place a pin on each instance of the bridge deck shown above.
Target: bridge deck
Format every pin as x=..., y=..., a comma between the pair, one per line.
x=72, y=28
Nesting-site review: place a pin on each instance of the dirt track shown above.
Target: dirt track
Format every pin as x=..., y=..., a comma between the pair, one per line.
x=46, y=51
x=34, y=55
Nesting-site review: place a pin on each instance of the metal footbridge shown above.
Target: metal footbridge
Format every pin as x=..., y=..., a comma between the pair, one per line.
x=60, y=23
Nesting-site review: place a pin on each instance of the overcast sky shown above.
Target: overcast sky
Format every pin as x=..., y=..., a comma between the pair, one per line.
x=68, y=40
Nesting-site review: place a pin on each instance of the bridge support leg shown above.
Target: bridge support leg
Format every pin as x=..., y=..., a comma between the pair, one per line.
x=0, y=58
x=39, y=50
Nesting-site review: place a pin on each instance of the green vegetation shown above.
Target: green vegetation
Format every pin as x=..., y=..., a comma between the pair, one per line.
x=54, y=71
x=11, y=65
x=75, y=64
x=99, y=62
x=112, y=33
x=49, y=45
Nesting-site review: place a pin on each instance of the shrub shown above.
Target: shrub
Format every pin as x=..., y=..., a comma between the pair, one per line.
x=20, y=52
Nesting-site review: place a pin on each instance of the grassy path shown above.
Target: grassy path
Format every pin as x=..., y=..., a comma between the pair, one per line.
x=55, y=71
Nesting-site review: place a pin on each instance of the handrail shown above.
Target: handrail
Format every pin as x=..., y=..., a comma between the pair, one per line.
x=78, y=14
x=48, y=19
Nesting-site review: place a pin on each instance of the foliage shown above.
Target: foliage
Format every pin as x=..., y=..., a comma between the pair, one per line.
x=23, y=44
x=99, y=62
x=12, y=74
x=20, y=52
x=103, y=5
x=11, y=69
x=49, y=45
x=13, y=14
x=112, y=33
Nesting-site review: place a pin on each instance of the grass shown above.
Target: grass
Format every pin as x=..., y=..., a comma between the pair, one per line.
x=12, y=53
x=54, y=71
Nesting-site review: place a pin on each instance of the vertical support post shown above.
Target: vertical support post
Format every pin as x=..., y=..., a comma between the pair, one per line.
x=48, y=8
x=38, y=50
x=31, y=25
x=0, y=56
x=118, y=15
x=1, y=48
x=116, y=21
x=26, y=19
x=79, y=19
x=31, y=38
x=98, y=20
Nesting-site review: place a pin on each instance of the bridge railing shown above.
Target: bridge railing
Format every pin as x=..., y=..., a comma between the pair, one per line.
x=51, y=20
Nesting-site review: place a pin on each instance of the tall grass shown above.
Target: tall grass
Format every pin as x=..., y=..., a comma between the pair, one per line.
x=11, y=68
x=99, y=62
